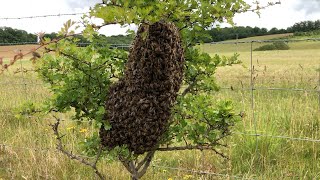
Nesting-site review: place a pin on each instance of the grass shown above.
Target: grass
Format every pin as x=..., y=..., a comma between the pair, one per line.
x=10, y=51
x=233, y=46
x=277, y=113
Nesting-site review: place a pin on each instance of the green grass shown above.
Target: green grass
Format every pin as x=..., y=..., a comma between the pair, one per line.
x=245, y=47
x=277, y=113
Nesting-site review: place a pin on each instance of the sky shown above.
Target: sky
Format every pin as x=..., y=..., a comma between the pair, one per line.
x=279, y=16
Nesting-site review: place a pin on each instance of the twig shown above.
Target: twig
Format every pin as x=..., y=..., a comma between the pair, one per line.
x=146, y=164
x=196, y=147
x=20, y=55
x=55, y=128
x=182, y=148
x=220, y=154
x=148, y=156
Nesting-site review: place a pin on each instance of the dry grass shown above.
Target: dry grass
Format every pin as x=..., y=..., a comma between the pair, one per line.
x=8, y=52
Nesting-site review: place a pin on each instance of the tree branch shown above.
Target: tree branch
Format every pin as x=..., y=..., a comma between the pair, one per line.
x=55, y=128
x=134, y=170
x=188, y=89
x=147, y=162
x=20, y=55
x=195, y=147
x=125, y=163
x=148, y=156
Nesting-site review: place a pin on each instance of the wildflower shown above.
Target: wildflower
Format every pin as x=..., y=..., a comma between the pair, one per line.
x=70, y=128
x=83, y=130
x=188, y=176
x=170, y=179
x=164, y=170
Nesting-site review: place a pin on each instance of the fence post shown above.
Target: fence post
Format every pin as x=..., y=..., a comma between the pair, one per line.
x=252, y=95
x=319, y=87
x=23, y=79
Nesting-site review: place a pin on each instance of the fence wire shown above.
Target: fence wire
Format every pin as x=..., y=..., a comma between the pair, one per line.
x=43, y=16
x=227, y=176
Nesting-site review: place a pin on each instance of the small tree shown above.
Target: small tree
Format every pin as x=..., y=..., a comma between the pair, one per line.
x=157, y=97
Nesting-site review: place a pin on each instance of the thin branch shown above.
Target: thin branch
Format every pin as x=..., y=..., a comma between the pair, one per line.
x=196, y=147
x=185, y=141
x=55, y=128
x=182, y=148
x=148, y=156
x=188, y=89
x=134, y=170
x=98, y=155
x=125, y=163
x=20, y=55
x=146, y=164
x=220, y=154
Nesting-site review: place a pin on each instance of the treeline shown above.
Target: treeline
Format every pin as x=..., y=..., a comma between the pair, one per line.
x=10, y=35
x=222, y=34
x=118, y=39
x=305, y=26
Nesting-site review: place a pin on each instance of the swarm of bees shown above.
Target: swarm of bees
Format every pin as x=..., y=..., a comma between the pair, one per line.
x=138, y=106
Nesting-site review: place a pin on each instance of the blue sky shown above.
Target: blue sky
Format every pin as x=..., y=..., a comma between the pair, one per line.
x=280, y=16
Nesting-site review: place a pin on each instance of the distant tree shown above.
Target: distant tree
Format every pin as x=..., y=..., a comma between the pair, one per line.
x=273, y=31
x=10, y=35
x=305, y=26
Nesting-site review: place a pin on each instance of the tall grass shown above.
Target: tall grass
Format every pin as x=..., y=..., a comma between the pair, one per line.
x=278, y=113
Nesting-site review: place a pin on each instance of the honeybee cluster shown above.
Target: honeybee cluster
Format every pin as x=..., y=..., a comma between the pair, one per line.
x=138, y=106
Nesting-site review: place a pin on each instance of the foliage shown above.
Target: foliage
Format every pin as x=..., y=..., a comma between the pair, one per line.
x=27, y=109
x=117, y=39
x=79, y=78
x=274, y=46
x=314, y=33
x=10, y=35
x=227, y=33
x=305, y=26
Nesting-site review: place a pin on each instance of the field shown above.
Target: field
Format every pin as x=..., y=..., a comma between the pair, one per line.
x=289, y=121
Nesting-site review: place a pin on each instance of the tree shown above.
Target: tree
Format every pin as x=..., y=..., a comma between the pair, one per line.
x=10, y=35
x=142, y=101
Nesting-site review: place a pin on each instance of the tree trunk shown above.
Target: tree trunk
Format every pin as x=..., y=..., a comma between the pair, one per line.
x=133, y=177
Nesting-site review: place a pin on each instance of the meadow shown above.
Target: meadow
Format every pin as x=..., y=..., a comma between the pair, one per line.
x=289, y=121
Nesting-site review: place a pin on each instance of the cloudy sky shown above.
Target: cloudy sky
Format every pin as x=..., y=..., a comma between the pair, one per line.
x=280, y=16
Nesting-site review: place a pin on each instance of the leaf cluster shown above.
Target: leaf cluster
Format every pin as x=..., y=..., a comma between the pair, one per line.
x=79, y=77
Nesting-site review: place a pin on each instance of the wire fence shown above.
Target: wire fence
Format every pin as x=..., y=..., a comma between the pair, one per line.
x=252, y=89
x=43, y=16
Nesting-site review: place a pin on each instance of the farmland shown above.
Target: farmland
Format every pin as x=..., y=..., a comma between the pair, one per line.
x=281, y=114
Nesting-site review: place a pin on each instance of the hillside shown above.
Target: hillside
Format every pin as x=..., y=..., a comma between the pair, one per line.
x=212, y=48
x=10, y=51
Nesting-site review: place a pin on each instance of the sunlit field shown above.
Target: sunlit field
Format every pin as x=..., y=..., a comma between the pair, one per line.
x=284, y=111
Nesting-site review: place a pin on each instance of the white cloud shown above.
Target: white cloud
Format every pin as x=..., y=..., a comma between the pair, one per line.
x=77, y=4
x=22, y=8
x=309, y=7
x=279, y=16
